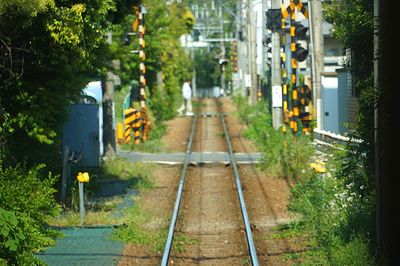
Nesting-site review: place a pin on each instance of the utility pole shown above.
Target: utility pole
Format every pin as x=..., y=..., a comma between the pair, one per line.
x=108, y=116
x=317, y=42
x=252, y=53
x=107, y=85
x=377, y=150
x=276, y=80
x=386, y=117
x=388, y=133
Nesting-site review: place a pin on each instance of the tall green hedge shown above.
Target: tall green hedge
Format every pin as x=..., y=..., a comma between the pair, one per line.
x=26, y=202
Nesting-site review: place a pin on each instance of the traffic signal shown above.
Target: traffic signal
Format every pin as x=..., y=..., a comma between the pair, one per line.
x=304, y=93
x=234, y=57
x=305, y=118
x=266, y=41
x=274, y=19
x=300, y=53
x=304, y=98
x=269, y=55
x=300, y=31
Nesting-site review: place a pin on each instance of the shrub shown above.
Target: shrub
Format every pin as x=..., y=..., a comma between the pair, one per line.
x=283, y=154
x=26, y=202
x=333, y=214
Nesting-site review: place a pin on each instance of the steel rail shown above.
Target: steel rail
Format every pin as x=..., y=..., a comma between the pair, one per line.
x=174, y=218
x=250, y=241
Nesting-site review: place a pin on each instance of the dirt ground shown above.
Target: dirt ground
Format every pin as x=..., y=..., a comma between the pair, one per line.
x=236, y=129
x=177, y=136
x=158, y=203
x=210, y=220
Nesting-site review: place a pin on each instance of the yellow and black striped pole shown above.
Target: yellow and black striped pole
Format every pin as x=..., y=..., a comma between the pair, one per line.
x=294, y=106
x=295, y=109
x=284, y=71
x=142, y=79
x=304, y=11
x=301, y=7
x=136, y=124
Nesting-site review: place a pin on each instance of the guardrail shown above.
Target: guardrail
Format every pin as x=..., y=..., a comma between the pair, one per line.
x=333, y=138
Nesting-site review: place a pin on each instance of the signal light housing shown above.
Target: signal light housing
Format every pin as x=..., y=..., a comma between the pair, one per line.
x=300, y=31
x=300, y=53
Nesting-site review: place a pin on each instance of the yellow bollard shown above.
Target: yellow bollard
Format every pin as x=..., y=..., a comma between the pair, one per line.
x=120, y=133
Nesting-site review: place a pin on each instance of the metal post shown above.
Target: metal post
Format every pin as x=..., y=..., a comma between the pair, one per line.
x=81, y=204
x=377, y=148
x=223, y=89
x=65, y=175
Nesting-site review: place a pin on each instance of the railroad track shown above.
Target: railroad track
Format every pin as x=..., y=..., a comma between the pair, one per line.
x=210, y=206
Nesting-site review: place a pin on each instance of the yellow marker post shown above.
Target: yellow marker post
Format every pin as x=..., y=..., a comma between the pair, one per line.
x=82, y=178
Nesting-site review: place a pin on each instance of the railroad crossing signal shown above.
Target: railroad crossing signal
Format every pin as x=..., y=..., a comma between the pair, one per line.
x=234, y=57
x=304, y=95
x=300, y=31
x=274, y=19
x=300, y=53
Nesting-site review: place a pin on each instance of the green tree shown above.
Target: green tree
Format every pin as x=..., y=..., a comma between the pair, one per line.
x=49, y=51
x=53, y=51
x=353, y=22
x=204, y=62
x=354, y=173
x=164, y=54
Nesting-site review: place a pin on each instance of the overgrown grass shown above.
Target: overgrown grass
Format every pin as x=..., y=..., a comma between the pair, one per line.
x=283, y=154
x=293, y=229
x=337, y=208
x=336, y=218
x=136, y=231
x=101, y=211
x=122, y=169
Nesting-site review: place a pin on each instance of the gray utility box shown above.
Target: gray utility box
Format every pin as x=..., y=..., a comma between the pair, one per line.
x=334, y=94
x=81, y=134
